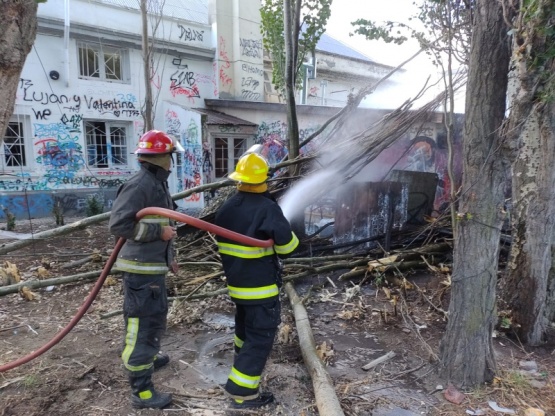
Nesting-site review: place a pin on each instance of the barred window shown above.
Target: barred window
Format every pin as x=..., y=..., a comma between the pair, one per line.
x=14, y=146
x=106, y=144
x=102, y=62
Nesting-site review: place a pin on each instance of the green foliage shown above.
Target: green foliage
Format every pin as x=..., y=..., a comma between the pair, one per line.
x=447, y=27
x=464, y=216
x=379, y=279
x=535, y=38
x=312, y=23
x=10, y=219
x=94, y=206
x=31, y=381
x=58, y=212
x=372, y=31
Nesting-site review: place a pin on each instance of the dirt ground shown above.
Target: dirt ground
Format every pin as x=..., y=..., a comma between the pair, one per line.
x=353, y=324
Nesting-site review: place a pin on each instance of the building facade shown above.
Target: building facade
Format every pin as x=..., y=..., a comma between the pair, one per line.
x=79, y=106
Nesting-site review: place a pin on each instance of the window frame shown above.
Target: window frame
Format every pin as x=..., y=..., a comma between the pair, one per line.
x=24, y=134
x=232, y=157
x=109, y=145
x=101, y=50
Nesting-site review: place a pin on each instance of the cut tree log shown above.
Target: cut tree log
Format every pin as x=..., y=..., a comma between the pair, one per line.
x=326, y=399
x=33, y=284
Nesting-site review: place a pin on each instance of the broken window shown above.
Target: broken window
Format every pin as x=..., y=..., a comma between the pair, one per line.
x=14, y=146
x=106, y=144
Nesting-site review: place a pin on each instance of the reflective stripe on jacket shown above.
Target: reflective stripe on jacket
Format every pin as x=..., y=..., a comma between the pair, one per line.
x=252, y=272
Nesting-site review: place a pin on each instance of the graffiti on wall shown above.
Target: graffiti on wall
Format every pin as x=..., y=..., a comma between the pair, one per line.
x=273, y=137
x=173, y=124
x=428, y=155
x=58, y=145
x=422, y=154
x=39, y=205
x=225, y=64
x=120, y=105
x=251, y=48
x=191, y=158
x=249, y=87
x=183, y=82
x=252, y=82
x=187, y=34
x=185, y=125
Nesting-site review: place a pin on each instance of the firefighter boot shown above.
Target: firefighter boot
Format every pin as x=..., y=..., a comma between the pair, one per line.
x=145, y=396
x=160, y=360
x=263, y=399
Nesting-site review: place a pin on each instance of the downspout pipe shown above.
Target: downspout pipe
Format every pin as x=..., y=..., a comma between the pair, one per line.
x=66, y=40
x=198, y=223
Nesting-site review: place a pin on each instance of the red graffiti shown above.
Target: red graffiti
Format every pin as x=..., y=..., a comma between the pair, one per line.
x=189, y=92
x=188, y=184
x=224, y=78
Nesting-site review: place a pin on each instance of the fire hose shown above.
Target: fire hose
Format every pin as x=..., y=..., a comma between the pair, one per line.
x=198, y=223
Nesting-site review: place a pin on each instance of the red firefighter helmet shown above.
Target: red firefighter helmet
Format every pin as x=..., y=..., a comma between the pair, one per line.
x=155, y=142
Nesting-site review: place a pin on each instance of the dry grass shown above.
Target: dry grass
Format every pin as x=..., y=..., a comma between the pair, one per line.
x=513, y=389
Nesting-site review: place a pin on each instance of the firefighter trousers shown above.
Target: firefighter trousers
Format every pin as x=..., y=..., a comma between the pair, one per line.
x=145, y=308
x=255, y=330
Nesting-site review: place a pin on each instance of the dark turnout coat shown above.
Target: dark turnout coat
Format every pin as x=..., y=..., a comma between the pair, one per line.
x=143, y=252
x=252, y=272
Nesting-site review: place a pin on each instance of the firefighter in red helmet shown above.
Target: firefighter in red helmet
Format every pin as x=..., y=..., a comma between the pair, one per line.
x=253, y=276
x=144, y=259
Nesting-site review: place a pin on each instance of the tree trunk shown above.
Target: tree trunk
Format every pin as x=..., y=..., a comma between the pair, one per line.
x=147, y=54
x=18, y=20
x=530, y=267
x=466, y=349
x=528, y=286
x=291, y=24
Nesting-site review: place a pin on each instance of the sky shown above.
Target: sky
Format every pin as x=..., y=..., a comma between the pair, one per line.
x=346, y=11
x=339, y=26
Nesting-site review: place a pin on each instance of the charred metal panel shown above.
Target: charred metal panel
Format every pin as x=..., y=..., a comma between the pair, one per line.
x=370, y=209
x=422, y=192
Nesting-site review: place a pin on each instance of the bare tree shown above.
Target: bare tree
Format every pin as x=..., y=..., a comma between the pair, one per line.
x=18, y=20
x=152, y=12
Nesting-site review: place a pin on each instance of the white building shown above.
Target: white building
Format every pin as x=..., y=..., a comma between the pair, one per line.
x=78, y=111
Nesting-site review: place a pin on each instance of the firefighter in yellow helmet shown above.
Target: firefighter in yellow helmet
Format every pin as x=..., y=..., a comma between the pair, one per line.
x=144, y=259
x=253, y=276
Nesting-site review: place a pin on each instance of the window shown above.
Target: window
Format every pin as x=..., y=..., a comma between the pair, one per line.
x=102, y=62
x=106, y=144
x=227, y=151
x=13, y=154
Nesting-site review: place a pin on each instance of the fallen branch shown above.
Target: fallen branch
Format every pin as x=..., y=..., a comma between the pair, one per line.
x=170, y=299
x=319, y=259
x=324, y=392
x=56, y=232
x=97, y=258
x=326, y=268
x=34, y=284
x=378, y=361
x=405, y=265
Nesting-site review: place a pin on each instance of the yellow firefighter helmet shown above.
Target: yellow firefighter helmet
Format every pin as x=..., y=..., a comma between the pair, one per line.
x=252, y=169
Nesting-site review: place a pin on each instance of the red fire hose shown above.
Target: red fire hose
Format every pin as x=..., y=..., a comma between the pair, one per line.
x=203, y=225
